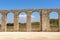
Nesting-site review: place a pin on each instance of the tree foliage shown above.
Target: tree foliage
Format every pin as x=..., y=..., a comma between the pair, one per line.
x=53, y=22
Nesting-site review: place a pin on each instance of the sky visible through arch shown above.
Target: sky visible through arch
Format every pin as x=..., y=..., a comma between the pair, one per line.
x=29, y=4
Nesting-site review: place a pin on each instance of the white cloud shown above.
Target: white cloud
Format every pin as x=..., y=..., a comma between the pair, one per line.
x=25, y=16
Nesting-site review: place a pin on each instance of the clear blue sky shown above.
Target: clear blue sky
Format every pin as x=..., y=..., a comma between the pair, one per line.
x=29, y=4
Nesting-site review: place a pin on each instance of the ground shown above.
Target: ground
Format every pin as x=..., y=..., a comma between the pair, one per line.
x=30, y=36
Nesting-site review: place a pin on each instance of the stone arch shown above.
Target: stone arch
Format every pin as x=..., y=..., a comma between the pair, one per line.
x=44, y=15
x=22, y=21
x=10, y=21
x=35, y=21
x=22, y=12
x=54, y=20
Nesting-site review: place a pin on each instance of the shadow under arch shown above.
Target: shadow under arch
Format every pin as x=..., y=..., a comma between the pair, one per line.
x=35, y=22
x=10, y=22
x=54, y=21
x=22, y=22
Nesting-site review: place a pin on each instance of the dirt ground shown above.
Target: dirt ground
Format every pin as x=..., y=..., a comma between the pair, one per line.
x=30, y=36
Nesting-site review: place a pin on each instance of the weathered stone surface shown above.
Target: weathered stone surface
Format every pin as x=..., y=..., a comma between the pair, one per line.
x=44, y=18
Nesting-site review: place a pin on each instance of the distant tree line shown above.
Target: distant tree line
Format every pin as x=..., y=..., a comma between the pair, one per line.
x=53, y=22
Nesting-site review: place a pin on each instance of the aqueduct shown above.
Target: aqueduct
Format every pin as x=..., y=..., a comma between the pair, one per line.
x=44, y=16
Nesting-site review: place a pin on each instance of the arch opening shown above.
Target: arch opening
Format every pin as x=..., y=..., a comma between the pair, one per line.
x=22, y=22
x=35, y=22
x=54, y=22
x=0, y=21
x=10, y=22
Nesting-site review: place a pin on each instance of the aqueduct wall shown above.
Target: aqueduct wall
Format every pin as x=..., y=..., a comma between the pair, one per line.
x=44, y=16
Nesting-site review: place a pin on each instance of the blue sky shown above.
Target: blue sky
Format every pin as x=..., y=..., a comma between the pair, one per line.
x=29, y=4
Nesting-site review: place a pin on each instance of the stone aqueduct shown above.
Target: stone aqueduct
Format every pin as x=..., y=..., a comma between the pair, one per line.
x=44, y=16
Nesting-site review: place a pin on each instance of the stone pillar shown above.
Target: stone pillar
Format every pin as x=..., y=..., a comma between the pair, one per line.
x=29, y=21
x=40, y=21
x=45, y=20
x=48, y=22
x=16, y=24
x=3, y=28
x=59, y=21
